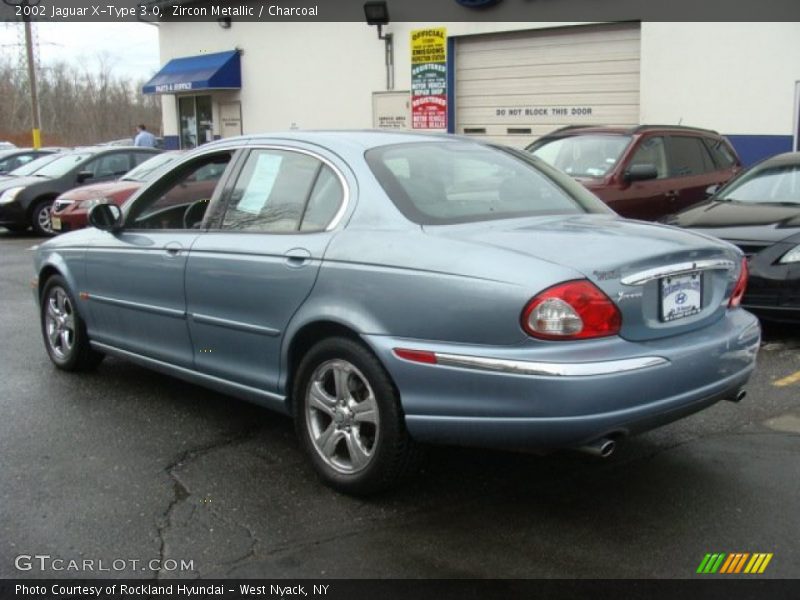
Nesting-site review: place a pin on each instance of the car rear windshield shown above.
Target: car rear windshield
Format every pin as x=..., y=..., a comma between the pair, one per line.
x=63, y=165
x=776, y=184
x=440, y=183
x=583, y=155
x=150, y=167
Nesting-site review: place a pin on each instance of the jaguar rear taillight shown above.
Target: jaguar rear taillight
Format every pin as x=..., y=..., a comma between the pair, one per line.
x=575, y=310
x=741, y=286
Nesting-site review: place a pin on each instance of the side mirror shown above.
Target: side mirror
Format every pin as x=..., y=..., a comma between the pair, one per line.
x=712, y=189
x=641, y=173
x=84, y=175
x=107, y=217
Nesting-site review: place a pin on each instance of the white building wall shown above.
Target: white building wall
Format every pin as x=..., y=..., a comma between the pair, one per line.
x=737, y=78
x=310, y=75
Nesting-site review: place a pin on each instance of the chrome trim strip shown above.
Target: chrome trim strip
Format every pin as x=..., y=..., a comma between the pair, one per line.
x=159, y=310
x=524, y=367
x=677, y=269
x=264, y=398
x=342, y=181
x=209, y=320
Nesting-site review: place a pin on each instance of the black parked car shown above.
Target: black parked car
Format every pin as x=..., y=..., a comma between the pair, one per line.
x=29, y=168
x=13, y=158
x=26, y=201
x=759, y=211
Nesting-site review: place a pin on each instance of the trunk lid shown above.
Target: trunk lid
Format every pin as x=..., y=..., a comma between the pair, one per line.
x=608, y=251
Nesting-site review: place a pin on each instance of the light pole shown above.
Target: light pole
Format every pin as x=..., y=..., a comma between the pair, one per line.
x=26, y=18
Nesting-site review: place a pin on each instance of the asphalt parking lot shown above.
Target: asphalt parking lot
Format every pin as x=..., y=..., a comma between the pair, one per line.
x=125, y=464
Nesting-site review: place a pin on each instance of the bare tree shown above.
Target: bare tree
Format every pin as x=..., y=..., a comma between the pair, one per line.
x=78, y=105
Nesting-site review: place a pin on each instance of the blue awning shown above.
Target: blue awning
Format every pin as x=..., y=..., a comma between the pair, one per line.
x=220, y=71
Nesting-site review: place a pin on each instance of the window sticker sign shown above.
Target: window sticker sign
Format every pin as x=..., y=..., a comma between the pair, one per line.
x=429, y=78
x=261, y=183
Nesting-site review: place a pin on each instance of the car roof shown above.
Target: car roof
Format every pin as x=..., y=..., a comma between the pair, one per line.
x=101, y=149
x=6, y=151
x=787, y=158
x=570, y=130
x=362, y=138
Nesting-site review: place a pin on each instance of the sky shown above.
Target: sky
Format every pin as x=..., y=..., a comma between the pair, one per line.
x=132, y=48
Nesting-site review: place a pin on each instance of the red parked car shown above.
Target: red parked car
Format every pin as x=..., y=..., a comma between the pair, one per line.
x=645, y=172
x=71, y=209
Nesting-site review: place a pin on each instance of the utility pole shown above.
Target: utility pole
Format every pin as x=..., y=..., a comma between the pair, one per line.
x=35, y=115
x=37, y=134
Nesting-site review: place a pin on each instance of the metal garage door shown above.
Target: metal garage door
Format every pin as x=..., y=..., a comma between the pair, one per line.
x=515, y=87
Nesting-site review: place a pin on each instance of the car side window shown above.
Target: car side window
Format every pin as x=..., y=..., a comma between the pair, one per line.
x=180, y=198
x=108, y=166
x=721, y=153
x=651, y=151
x=326, y=198
x=11, y=163
x=140, y=157
x=688, y=156
x=281, y=191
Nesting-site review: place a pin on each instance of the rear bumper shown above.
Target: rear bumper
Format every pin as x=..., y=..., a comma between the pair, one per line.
x=462, y=404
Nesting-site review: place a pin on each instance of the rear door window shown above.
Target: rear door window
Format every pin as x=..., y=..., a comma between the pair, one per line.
x=109, y=166
x=688, y=156
x=282, y=191
x=721, y=153
x=140, y=157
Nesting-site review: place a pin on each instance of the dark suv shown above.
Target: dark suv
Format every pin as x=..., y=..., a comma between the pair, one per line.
x=645, y=172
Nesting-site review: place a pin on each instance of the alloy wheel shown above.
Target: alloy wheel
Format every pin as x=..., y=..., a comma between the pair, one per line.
x=342, y=416
x=60, y=323
x=44, y=219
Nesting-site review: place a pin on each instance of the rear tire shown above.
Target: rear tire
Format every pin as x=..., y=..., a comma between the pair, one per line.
x=63, y=330
x=41, y=220
x=349, y=420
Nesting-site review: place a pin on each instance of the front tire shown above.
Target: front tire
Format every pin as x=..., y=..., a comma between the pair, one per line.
x=41, y=219
x=349, y=420
x=63, y=330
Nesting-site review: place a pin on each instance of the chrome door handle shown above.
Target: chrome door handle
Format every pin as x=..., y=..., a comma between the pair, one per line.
x=173, y=249
x=297, y=257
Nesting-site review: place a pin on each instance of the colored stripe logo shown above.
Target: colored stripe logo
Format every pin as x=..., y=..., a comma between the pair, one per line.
x=734, y=563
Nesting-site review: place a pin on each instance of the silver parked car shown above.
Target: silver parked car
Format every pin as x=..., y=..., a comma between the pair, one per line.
x=388, y=289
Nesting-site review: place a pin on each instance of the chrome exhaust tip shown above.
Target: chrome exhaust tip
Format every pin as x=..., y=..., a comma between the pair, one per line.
x=738, y=396
x=602, y=448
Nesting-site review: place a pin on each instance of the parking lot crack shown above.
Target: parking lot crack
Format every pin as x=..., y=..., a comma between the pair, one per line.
x=181, y=493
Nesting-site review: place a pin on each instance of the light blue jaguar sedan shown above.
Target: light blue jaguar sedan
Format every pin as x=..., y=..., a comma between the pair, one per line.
x=391, y=289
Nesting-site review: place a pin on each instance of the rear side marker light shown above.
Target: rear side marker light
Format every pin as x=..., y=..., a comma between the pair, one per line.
x=575, y=310
x=741, y=286
x=419, y=356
